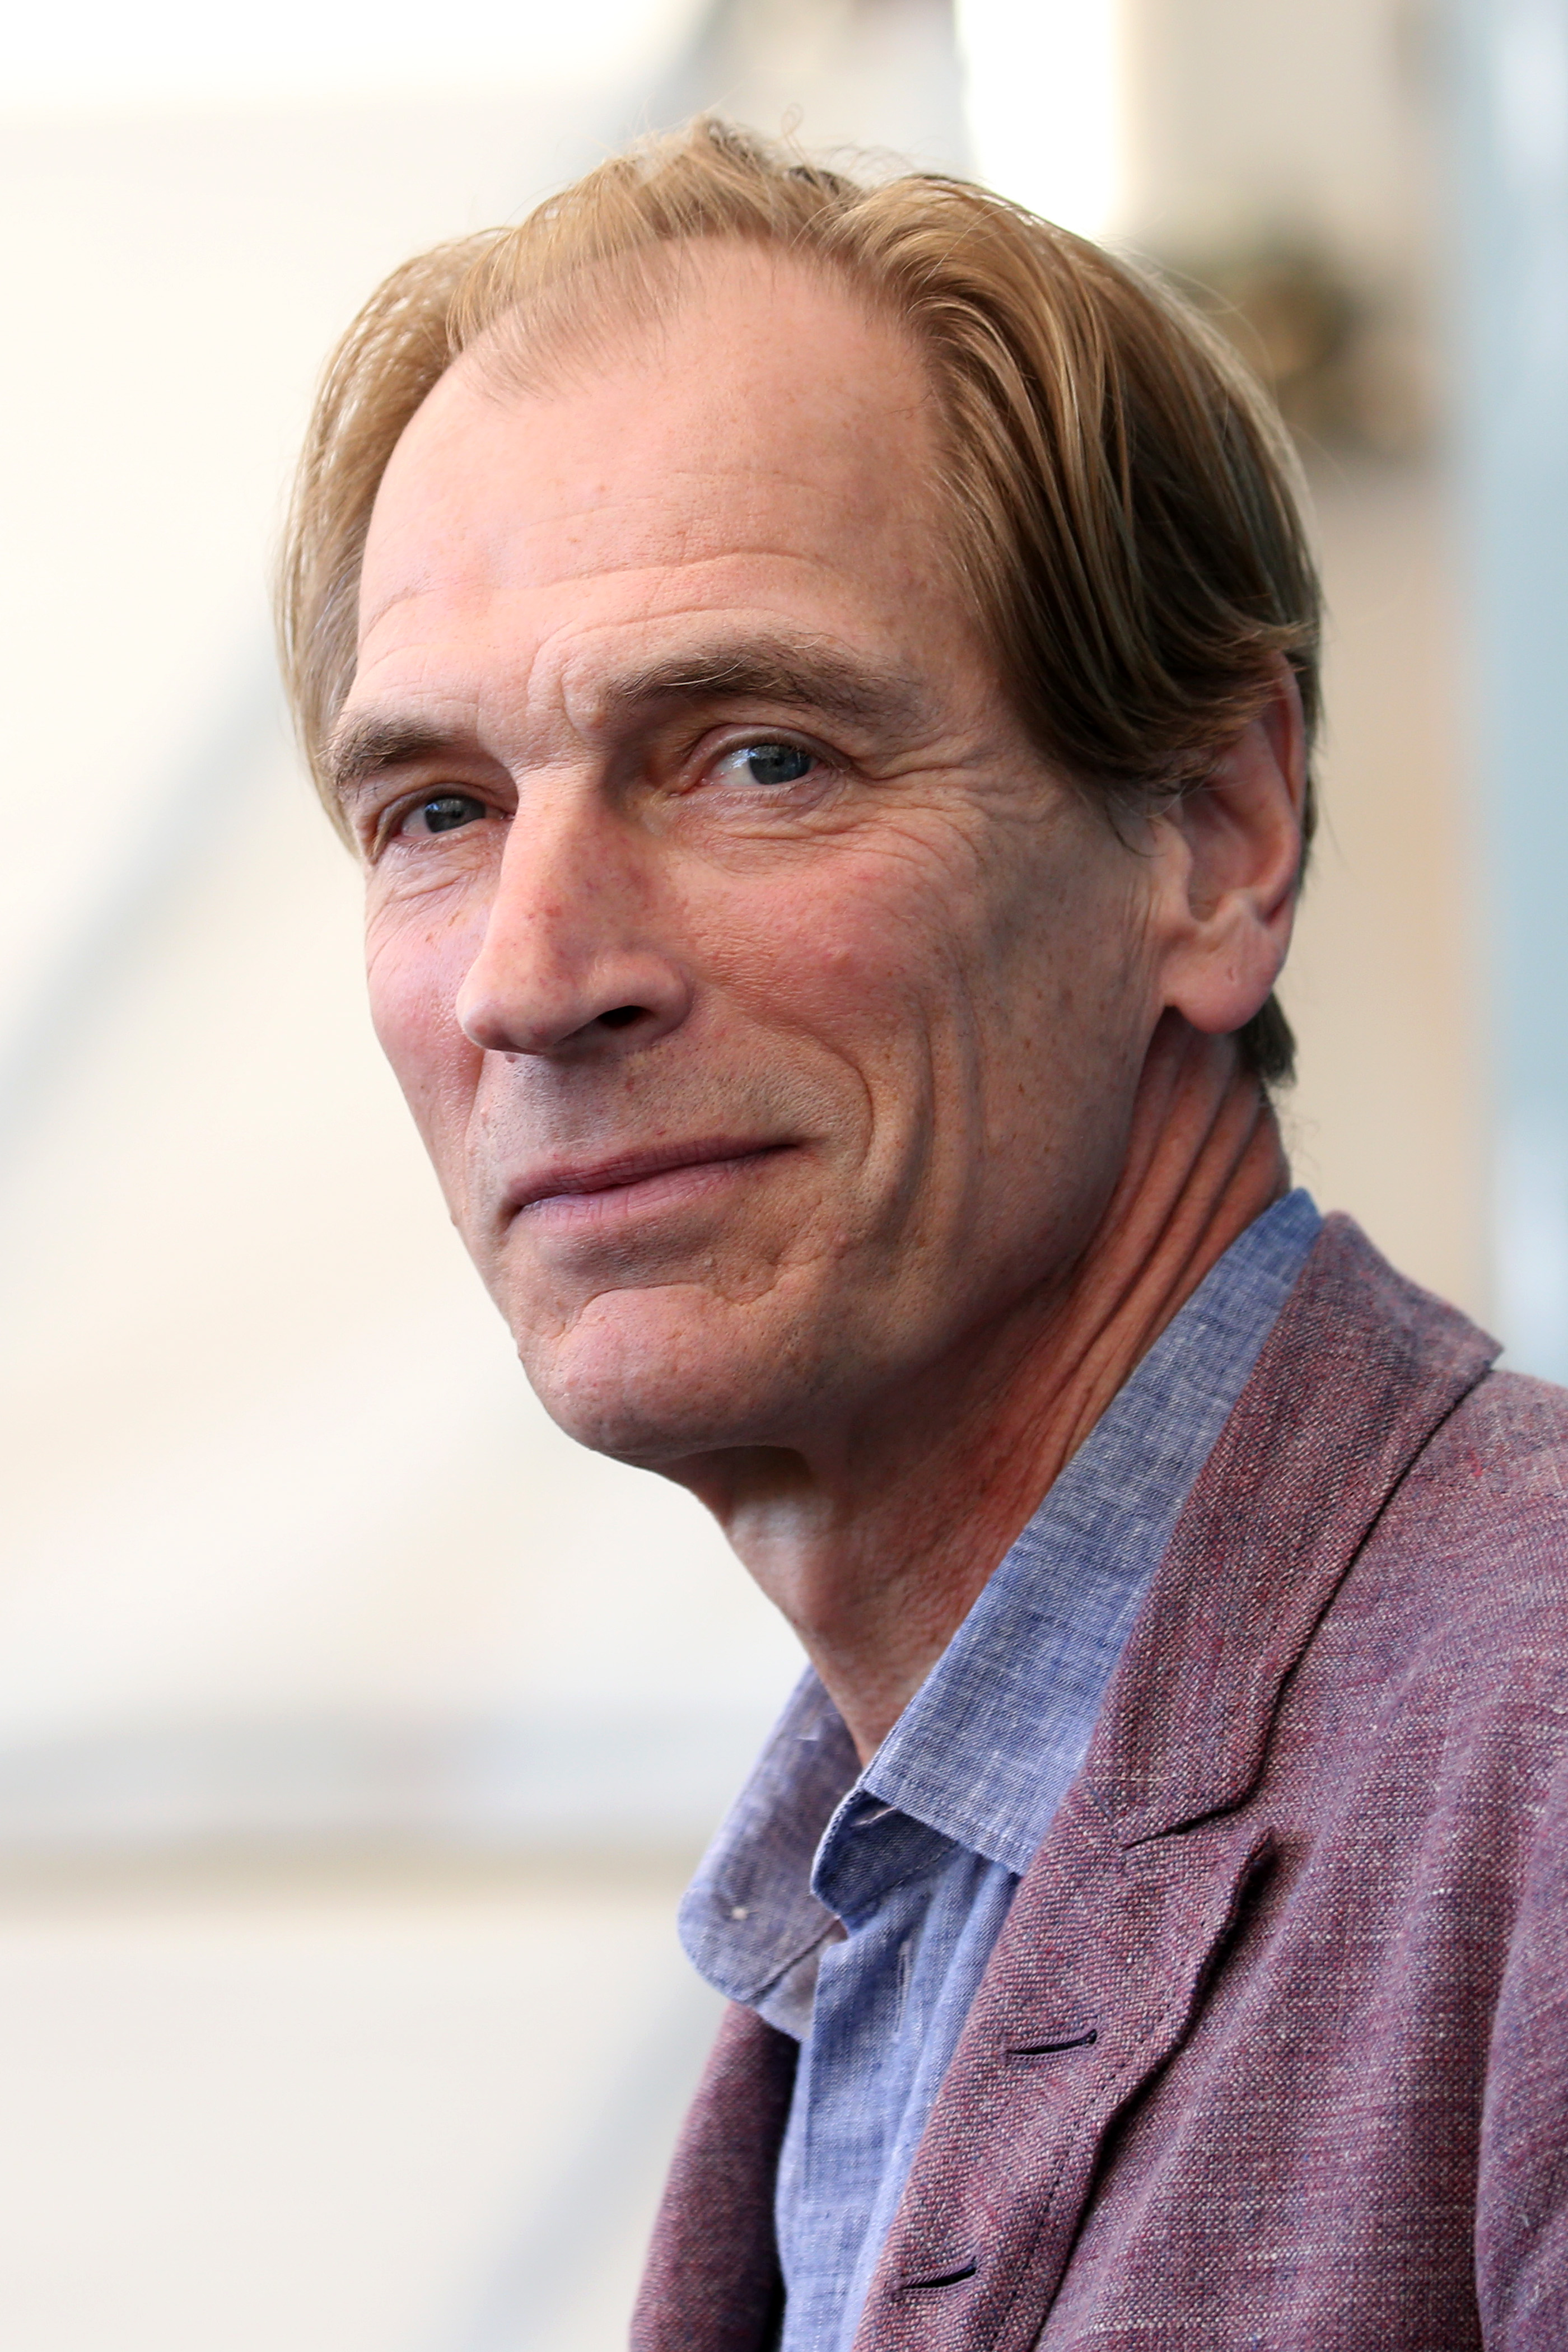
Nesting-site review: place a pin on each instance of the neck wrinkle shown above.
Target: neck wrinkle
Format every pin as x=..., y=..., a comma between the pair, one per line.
x=877, y=1571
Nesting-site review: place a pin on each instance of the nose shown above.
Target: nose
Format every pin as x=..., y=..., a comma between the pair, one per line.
x=571, y=963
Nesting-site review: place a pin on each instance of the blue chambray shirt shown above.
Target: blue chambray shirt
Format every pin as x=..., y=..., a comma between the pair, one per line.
x=857, y=1911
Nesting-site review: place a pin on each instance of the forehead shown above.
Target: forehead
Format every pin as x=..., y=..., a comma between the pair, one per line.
x=764, y=445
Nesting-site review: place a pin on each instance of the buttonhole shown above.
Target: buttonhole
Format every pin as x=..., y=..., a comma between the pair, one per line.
x=1045, y=2049
x=941, y=2278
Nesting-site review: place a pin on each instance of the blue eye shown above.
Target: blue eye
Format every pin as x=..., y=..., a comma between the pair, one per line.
x=774, y=763
x=443, y=812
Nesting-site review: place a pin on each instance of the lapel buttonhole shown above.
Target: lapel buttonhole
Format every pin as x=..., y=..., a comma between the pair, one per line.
x=938, y=2278
x=1084, y=2041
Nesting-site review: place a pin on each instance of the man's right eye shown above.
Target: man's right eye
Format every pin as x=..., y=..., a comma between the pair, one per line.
x=442, y=813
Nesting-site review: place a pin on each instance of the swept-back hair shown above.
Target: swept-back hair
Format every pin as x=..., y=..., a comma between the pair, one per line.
x=1122, y=503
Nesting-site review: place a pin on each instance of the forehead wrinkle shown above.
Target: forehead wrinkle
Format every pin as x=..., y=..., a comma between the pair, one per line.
x=690, y=556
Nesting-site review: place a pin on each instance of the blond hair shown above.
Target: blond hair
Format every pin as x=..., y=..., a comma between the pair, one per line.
x=1124, y=511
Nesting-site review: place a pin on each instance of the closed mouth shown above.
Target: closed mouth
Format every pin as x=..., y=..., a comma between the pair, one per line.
x=591, y=1185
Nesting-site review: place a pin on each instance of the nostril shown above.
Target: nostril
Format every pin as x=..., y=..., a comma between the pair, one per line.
x=621, y=1016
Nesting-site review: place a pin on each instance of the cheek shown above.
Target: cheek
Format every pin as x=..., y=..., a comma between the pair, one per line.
x=863, y=939
x=902, y=949
x=414, y=972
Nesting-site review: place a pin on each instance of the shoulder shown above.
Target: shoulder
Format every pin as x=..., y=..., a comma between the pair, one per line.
x=1492, y=1481
x=1470, y=1462
x=1468, y=1561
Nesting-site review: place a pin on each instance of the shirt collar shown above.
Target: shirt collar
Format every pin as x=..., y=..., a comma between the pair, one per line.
x=985, y=1749
x=750, y=1915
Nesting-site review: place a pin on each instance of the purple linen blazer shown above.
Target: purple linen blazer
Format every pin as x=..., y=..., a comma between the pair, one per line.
x=1273, y=2050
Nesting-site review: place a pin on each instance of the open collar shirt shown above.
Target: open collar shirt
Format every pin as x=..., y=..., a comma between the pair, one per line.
x=857, y=1910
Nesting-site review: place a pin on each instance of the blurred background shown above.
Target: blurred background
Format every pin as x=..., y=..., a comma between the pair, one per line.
x=356, y=1732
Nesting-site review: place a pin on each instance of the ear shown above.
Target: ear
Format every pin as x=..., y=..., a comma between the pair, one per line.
x=1232, y=850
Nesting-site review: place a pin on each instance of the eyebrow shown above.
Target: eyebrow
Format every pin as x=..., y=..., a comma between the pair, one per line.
x=370, y=746
x=801, y=676
x=783, y=671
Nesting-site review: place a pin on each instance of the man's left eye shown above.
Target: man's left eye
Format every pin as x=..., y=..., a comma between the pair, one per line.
x=769, y=764
x=442, y=813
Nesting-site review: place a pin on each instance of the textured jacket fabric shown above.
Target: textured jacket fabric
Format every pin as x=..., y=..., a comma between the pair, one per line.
x=1273, y=2050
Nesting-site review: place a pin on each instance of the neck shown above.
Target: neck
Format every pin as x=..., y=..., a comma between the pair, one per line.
x=876, y=1565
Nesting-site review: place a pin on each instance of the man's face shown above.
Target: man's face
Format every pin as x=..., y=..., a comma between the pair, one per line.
x=770, y=1012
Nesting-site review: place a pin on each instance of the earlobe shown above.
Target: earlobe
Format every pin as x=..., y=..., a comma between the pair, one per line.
x=1242, y=834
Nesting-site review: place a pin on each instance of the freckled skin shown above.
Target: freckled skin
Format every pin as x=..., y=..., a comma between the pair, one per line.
x=965, y=1049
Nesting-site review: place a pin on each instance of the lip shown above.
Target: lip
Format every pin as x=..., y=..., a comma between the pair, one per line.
x=569, y=1185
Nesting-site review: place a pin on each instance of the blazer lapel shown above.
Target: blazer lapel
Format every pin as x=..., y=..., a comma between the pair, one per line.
x=711, y=2281
x=1096, y=1983
x=1355, y=1376
x=1125, y=1914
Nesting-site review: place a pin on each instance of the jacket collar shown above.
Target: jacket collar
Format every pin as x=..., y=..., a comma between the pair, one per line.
x=1283, y=1504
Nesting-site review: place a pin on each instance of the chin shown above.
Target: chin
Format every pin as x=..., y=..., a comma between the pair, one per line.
x=651, y=1376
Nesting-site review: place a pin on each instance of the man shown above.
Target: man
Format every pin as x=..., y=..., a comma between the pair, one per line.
x=820, y=680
